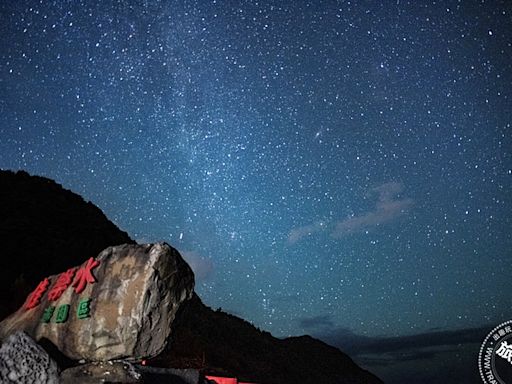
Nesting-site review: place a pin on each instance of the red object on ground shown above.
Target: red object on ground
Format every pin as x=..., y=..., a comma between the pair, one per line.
x=223, y=380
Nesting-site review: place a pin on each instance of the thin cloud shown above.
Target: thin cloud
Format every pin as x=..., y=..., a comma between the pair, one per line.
x=298, y=233
x=286, y=299
x=387, y=209
x=203, y=267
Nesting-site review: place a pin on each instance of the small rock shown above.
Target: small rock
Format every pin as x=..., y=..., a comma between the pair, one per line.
x=101, y=372
x=22, y=361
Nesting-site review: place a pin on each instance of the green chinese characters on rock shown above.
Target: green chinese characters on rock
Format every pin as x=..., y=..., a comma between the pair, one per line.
x=83, y=309
x=62, y=312
x=47, y=315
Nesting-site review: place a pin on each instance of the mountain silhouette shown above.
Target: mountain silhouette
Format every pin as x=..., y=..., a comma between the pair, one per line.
x=46, y=229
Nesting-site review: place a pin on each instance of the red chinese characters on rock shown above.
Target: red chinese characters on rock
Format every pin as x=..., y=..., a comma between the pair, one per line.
x=63, y=282
x=81, y=279
x=84, y=275
x=35, y=297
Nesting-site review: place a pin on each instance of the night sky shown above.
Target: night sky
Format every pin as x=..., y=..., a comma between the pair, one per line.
x=341, y=169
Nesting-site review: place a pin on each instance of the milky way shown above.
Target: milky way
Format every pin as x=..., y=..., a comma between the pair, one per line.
x=326, y=167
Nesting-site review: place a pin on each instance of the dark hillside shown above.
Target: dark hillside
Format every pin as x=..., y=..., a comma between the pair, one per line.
x=220, y=343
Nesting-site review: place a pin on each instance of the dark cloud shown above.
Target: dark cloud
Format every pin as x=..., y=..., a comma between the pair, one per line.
x=316, y=322
x=358, y=344
x=435, y=356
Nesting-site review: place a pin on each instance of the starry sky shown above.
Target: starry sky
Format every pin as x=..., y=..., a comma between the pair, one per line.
x=336, y=168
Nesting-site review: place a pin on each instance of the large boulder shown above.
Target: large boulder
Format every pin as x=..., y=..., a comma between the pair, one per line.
x=22, y=361
x=119, y=305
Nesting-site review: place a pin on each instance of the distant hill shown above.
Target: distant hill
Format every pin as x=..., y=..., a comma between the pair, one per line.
x=45, y=229
x=222, y=344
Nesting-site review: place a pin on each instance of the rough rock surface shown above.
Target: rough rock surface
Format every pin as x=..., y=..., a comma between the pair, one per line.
x=127, y=373
x=101, y=372
x=173, y=376
x=22, y=361
x=123, y=309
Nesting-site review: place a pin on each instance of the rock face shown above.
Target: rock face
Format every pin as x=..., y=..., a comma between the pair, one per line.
x=22, y=361
x=119, y=305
